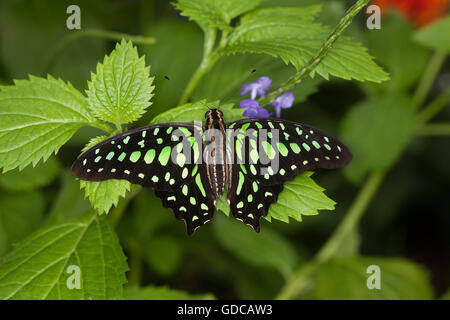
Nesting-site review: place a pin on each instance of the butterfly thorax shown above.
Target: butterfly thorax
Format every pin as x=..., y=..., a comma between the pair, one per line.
x=215, y=152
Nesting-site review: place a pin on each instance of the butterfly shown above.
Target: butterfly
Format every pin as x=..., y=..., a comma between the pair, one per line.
x=191, y=165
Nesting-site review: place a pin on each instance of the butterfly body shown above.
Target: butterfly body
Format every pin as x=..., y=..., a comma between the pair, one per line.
x=189, y=165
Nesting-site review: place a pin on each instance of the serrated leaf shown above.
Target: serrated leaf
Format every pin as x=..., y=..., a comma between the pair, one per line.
x=103, y=194
x=347, y=279
x=121, y=89
x=37, y=268
x=301, y=196
x=217, y=13
x=267, y=249
x=31, y=178
x=196, y=112
x=291, y=34
x=37, y=116
x=436, y=35
x=377, y=130
x=162, y=293
x=20, y=214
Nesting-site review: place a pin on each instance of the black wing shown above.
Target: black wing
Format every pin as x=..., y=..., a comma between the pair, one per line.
x=267, y=153
x=163, y=157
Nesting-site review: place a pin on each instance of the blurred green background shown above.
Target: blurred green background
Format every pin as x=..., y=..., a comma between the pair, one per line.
x=409, y=216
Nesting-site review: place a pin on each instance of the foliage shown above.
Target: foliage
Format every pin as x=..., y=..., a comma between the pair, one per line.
x=39, y=267
x=48, y=225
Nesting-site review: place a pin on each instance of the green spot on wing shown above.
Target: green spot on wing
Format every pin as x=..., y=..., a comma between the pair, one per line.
x=282, y=148
x=134, y=157
x=198, y=181
x=122, y=156
x=149, y=156
x=240, y=183
x=295, y=148
x=164, y=155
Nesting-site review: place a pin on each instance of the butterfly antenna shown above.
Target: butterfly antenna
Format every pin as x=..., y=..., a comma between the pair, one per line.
x=183, y=91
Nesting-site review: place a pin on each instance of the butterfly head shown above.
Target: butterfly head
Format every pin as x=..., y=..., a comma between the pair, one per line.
x=214, y=115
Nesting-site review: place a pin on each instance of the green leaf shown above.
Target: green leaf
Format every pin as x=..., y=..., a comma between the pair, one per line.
x=301, y=196
x=163, y=255
x=347, y=279
x=37, y=116
x=266, y=249
x=217, y=13
x=162, y=293
x=436, y=35
x=31, y=178
x=196, y=112
x=291, y=34
x=20, y=214
x=377, y=131
x=121, y=89
x=103, y=194
x=37, y=268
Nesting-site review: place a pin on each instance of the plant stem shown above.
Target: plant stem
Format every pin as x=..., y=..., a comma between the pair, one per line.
x=428, y=78
x=435, y=129
x=434, y=107
x=333, y=243
x=95, y=33
x=101, y=126
x=204, y=67
x=320, y=55
x=117, y=212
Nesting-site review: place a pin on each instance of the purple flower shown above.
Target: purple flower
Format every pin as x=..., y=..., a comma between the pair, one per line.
x=285, y=101
x=253, y=109
x=258, y=87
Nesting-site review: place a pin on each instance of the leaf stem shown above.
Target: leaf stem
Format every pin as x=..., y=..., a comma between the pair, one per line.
x=101, y=126
x=209, y=59
x=428, y=78
x=320, y=55
x=434, y=107
x=435, y=129
x=95, y=33
x=351, y=219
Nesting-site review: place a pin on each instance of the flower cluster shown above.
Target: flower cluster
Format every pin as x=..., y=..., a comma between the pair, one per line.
x=259, y=88
x=420, y=12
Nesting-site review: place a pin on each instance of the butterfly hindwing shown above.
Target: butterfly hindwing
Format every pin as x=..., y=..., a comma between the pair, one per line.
x=250, y=200
x=266, y=154
x=193, y=202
